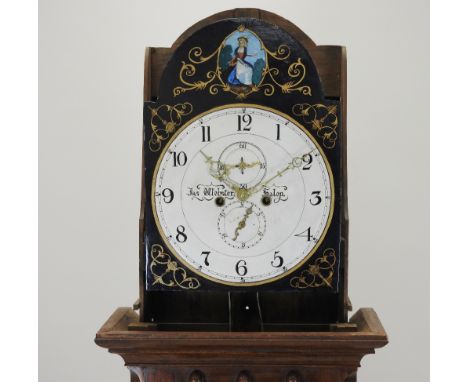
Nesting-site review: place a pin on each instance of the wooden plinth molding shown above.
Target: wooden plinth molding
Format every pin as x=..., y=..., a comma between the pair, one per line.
x=154, y=356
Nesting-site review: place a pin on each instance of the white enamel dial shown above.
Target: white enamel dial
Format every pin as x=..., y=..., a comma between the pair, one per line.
x=242, y=195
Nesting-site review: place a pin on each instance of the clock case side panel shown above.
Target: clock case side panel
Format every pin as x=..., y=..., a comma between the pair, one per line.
x=330, y=63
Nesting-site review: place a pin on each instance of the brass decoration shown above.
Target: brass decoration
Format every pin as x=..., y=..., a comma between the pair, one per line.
x=323, y=120
x=165, y=119
x=318, y=274
x=167, y=272
x=267, y=83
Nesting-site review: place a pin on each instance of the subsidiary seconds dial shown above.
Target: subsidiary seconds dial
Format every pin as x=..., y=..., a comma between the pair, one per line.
x=242, y=195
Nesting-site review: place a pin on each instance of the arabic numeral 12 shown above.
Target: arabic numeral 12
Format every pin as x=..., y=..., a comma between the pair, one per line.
x=243, y=122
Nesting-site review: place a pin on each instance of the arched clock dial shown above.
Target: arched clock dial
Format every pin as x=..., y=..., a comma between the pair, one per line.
x=242, y=194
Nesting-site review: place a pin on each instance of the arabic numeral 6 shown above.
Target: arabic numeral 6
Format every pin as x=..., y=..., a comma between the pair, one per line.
x=241, y=267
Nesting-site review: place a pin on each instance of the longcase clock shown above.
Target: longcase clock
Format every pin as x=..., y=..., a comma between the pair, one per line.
x=243, y=224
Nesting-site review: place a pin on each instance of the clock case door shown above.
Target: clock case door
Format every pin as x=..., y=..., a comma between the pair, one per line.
x=171, y=294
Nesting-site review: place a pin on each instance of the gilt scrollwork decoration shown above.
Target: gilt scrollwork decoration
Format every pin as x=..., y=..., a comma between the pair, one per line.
x=230, y=68
x=322, y=118
x=167, y=272
x=317, y=274
x=165, y=119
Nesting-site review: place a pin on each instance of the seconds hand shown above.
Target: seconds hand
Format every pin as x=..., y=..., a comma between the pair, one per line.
x=241, y=224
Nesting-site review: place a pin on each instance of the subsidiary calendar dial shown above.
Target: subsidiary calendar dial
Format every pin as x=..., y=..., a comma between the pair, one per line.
x=242, y=194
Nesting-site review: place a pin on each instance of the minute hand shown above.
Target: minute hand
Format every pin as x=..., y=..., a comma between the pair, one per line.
x=295, y=163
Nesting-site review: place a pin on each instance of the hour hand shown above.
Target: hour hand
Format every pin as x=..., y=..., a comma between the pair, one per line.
x=217, y=169
x=244, y=165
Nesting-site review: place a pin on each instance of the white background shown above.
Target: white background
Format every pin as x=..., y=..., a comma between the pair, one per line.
x=91, y=78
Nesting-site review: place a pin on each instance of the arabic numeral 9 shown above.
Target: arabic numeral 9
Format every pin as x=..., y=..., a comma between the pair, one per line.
x=168, y=195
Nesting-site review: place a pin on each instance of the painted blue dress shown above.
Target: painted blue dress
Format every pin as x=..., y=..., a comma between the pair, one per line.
x=243, y=71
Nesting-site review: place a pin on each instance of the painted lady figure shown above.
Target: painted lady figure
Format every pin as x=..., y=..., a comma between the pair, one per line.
x=243, y=70
x=242, y=60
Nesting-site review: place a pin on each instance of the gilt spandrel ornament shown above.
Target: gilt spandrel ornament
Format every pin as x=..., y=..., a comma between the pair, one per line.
x=165, y=119
x=167, y=272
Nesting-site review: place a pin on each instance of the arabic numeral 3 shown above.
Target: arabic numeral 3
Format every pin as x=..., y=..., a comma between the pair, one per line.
x=316, y=199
